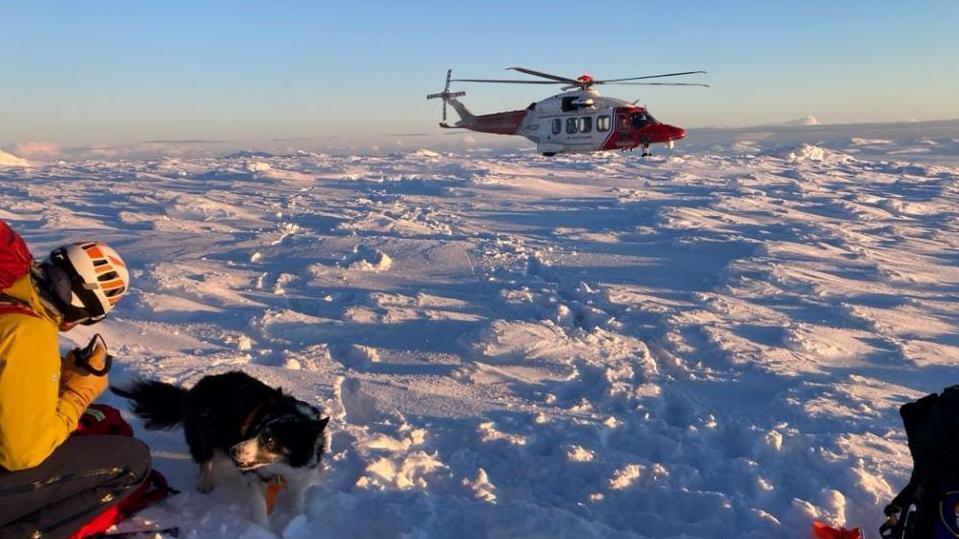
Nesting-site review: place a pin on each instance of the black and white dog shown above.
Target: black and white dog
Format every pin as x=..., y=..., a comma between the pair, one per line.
x=237, y=414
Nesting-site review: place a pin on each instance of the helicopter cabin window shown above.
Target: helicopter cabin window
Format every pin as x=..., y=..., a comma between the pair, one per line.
x=572, y=126
x=557, y=126
x=602, y=123
x=586, y=124
x=622, y=121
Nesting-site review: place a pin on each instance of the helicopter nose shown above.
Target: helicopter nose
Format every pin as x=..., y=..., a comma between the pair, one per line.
x=675, y=133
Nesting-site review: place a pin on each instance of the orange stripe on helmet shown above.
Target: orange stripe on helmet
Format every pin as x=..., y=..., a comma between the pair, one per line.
x=94, y=251
x=110, y=285
x=116, y=261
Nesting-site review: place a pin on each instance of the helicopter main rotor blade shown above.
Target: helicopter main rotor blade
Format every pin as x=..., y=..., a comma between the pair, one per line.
x=662, y=84
x=540, y=74
x=650, y=77
x=504, y=81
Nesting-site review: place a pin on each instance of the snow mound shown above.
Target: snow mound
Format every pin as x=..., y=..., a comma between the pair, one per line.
x=257, y=166
x=366, y=258
x=10, y=160
x=423, y=152
x=810, y=153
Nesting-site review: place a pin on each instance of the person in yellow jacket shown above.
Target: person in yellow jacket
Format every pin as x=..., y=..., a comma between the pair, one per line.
x=52, y=483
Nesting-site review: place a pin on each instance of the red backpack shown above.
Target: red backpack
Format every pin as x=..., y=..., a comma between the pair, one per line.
x=98, y=420
x=15, y=258
x=821, y=530
x=15, y=261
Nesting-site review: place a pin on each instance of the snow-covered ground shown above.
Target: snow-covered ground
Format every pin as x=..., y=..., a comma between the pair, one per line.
x=699, y=344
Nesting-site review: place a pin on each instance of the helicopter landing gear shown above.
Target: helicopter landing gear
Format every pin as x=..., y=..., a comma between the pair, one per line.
x=646, y=151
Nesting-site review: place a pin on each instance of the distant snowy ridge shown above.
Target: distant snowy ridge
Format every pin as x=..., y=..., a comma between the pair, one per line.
x=248, y=154
x=806, y=121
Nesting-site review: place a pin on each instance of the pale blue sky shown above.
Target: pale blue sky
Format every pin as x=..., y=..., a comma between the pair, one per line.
x=111, y=72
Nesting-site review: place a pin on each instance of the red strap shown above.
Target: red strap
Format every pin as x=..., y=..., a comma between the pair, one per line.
x=146, y=496
x=154, y=489
x=15, y=308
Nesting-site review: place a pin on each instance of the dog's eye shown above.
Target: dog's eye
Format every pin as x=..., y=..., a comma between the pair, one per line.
x=268, y=439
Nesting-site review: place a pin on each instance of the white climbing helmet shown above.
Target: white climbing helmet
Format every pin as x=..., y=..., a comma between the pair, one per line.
x=97, y=278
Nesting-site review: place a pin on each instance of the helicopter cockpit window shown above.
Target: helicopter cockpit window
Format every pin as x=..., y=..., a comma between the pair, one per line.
x=642, y=118
x=572, y=126
x=557, y=126
x=602, y=123
x=586, y=124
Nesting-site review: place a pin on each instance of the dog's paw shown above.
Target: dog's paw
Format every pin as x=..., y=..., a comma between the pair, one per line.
x=205, y=486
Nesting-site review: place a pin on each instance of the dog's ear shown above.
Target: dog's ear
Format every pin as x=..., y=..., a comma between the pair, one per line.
x=323, y=422
x=279, y=392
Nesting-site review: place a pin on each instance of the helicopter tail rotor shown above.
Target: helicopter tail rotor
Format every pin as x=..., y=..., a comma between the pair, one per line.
x=446, y=95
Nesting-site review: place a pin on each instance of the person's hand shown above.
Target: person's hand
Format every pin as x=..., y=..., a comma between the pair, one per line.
x=78, y=385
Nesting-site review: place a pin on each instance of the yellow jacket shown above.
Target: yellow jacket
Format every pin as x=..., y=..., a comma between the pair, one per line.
x=35, y=417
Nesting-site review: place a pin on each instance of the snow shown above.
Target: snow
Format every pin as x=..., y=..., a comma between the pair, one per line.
x=10, y=160
x=809, y=120
x=704, y=344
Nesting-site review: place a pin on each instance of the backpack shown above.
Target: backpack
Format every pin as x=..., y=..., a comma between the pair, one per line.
x=15, y=262
x=15, y=257
x=928, y=506
x=821, y=530
x=98, y=420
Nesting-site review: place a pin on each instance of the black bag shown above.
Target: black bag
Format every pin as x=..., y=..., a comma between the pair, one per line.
x=928, y=506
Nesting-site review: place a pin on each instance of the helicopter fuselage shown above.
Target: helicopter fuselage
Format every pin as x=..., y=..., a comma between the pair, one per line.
x=577, y=121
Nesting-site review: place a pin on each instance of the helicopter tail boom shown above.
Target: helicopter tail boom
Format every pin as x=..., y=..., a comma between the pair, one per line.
x=466, y=117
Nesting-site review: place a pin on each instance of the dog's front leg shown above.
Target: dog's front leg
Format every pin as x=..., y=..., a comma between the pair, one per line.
x=258, y=509
x=206, y=477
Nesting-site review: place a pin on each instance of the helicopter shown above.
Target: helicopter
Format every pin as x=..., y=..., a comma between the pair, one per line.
x=579, y=120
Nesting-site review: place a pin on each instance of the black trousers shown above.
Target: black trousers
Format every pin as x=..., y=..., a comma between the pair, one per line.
x=82, y=478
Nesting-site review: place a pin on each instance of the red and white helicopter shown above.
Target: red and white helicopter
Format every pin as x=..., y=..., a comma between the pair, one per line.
x=577, y=120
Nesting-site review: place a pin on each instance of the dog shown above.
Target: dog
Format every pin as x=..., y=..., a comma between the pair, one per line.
x=254, y=424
